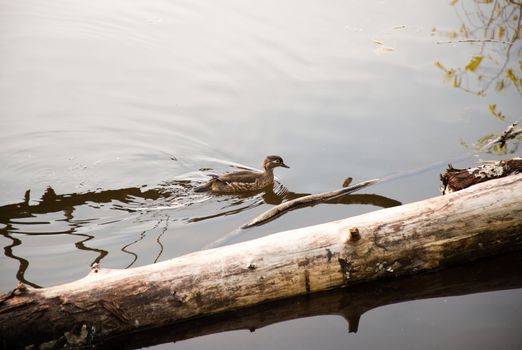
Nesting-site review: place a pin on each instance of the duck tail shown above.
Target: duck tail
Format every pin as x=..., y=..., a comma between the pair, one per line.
x=206, y=187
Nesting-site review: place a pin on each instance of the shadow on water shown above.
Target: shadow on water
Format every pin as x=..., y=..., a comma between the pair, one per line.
x=165, y=198
x=269, y=196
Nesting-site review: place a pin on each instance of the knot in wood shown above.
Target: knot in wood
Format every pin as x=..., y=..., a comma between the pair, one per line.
x=20, y=288
x=354, y=234
x=95, y=267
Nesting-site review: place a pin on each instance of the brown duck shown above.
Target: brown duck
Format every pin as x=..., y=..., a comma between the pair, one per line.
x=243, y=181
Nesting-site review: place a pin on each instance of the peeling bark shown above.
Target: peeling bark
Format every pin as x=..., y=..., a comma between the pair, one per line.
x=480, y=221
x=456, y=179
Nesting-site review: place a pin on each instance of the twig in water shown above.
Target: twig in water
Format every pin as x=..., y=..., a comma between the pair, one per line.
x=293, y=204
x=475, y=41
x=306, y=201
x=511, y=132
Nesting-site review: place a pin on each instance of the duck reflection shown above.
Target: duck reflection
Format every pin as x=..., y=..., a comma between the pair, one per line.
x=164, y=200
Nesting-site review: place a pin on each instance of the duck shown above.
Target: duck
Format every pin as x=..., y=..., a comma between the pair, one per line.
x=246, y=180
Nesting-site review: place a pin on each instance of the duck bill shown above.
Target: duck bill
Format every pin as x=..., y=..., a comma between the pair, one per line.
x=285, y=166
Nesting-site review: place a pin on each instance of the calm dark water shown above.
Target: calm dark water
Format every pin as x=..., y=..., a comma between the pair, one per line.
x=112, y=111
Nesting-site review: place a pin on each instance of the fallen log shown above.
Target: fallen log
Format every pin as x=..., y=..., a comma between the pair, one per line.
x=351, y=303
x=483, y=220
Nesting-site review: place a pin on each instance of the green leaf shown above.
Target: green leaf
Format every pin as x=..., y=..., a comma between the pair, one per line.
x=486, y=138
x=510, y=73
x=501, y=32
x=474, y=63
x=493, y=110
x=440, y=66
x=456, y=81
x=464, y=143
x=449, y=75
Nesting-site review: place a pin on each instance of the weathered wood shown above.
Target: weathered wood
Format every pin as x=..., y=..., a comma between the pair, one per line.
x=482, y=220
x=457, y=179
x=487, y=275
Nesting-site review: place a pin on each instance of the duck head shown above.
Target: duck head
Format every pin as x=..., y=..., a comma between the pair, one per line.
x=271, y=162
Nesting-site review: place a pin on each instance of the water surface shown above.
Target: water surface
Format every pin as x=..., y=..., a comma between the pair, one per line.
x=112, y=111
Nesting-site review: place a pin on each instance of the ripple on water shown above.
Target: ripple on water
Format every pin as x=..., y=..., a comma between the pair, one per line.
x=112, y=111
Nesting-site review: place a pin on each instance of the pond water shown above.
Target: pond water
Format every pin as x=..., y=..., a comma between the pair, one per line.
x=112, y=111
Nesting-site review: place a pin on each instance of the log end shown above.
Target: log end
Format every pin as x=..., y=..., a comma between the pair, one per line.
x=454, y=179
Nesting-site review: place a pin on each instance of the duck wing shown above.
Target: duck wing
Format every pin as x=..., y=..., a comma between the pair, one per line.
x=240, y=176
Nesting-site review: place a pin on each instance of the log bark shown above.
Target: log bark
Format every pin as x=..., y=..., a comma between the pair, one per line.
x=480, y=221
x=351, y=303
x=456, y=179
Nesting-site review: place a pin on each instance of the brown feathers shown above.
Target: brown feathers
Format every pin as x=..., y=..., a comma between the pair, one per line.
x=245, y=180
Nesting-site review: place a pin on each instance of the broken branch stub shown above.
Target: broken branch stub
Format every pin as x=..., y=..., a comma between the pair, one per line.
x=457, y=179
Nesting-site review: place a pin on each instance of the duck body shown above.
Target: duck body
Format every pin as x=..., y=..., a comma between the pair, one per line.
x=244, y=181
